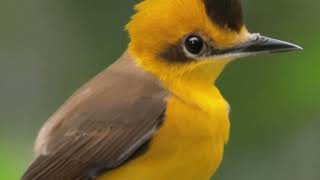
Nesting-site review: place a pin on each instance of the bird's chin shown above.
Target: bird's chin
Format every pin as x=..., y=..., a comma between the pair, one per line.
x=219, y=59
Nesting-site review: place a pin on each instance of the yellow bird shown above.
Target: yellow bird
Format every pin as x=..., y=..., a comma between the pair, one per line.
x=155, y=114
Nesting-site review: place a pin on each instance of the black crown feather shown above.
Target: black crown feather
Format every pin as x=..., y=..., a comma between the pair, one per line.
x=225, y=13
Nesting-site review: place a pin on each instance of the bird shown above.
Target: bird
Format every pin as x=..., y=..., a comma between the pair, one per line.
x=156, y=112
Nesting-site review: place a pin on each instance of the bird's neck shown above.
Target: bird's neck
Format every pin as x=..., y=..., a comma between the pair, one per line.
x=192, y=82
x=197, y=85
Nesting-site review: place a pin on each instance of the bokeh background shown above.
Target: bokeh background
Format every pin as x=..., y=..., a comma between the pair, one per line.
x=48, y=49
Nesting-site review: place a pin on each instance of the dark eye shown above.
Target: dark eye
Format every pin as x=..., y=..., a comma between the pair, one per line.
x=194, y=44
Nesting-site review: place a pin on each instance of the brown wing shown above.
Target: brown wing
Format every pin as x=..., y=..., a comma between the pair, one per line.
x=101, y=126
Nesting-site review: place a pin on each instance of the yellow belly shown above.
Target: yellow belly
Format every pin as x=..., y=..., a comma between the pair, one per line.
x=189, y=145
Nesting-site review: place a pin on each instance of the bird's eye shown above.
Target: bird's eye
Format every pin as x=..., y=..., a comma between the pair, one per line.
x=194, y=44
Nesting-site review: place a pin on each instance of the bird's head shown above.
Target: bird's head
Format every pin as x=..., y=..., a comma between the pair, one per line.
x=192, y=40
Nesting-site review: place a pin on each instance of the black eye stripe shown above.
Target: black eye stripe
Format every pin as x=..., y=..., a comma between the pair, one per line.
x=177, y=52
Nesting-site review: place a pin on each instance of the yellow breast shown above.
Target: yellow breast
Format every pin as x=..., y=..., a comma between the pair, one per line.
x=189, y=145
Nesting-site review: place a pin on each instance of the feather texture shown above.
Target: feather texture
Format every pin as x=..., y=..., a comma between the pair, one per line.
x=121, y=109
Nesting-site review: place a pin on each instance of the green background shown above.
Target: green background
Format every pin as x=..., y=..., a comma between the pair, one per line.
x=50, y=48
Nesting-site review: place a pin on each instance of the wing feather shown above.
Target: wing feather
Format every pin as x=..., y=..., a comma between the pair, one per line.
x=98, y=131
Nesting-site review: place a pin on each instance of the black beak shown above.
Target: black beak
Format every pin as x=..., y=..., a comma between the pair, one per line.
x=260, y=44
x=257, y=44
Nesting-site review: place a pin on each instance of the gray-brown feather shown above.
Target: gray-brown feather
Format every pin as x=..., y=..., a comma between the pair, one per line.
x=101, y=125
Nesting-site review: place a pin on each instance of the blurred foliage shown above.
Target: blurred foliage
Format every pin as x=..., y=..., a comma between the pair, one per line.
x=48, y=49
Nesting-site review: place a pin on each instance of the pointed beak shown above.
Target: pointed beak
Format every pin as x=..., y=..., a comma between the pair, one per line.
x=260, y=44
x=257, y=44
